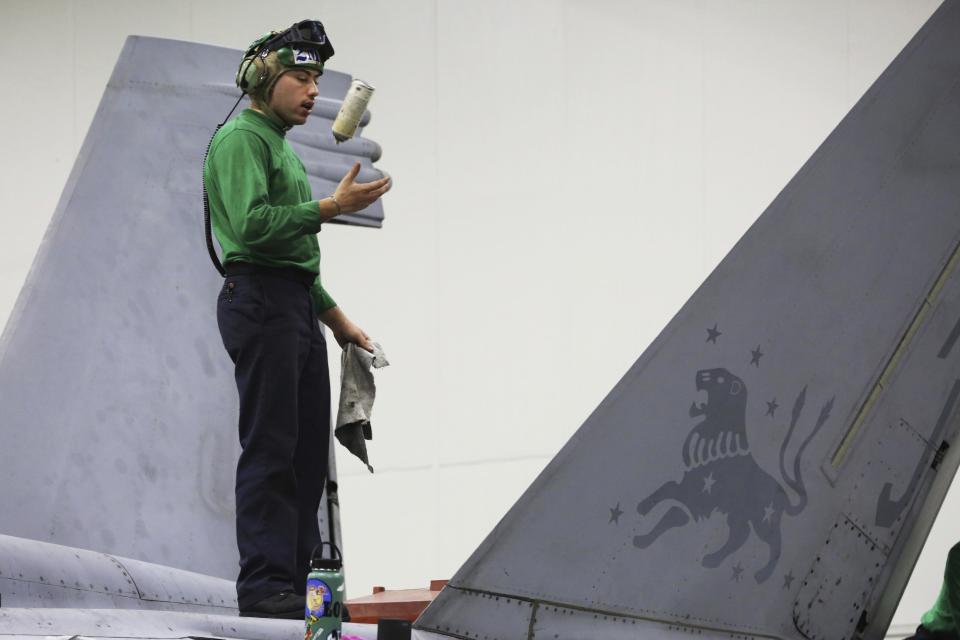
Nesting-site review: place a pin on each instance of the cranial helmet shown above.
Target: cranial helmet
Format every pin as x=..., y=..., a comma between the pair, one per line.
x=304, y=45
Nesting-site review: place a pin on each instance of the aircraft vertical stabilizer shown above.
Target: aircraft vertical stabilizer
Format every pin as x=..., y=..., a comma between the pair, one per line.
x=769, y=464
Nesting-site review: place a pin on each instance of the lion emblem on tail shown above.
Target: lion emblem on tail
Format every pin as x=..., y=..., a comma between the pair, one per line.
x=722, y=475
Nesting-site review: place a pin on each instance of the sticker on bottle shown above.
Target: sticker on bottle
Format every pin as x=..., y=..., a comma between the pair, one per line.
x=318, y=598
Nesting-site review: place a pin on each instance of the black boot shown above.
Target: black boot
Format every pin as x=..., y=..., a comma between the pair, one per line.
x=281, y=605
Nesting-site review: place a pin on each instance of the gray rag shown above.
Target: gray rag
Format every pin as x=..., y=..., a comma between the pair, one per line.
x=357, y=392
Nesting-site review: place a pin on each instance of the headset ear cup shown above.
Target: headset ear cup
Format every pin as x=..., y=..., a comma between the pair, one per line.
x=252, y=74
x=241, y=79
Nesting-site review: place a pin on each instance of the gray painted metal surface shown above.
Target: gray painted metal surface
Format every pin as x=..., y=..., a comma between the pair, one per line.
x=117, y=402
x=113, y=623
x=40, y=574
x=762, y=469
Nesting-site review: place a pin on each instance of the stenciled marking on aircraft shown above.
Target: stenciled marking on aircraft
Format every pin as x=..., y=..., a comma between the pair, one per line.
x=615, y=513
x=788, y=580
x=888, y=510
x=713, y=334
x=772, y=407
x=722, y=475
x=951, y=340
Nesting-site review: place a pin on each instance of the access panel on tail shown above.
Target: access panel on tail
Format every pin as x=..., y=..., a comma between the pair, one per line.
x=770, y=465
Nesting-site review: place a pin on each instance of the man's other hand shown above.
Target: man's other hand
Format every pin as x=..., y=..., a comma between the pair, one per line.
x=356, y=335
x=344, y=331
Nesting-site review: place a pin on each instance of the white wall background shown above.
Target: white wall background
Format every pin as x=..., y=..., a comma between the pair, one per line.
x=567, y=172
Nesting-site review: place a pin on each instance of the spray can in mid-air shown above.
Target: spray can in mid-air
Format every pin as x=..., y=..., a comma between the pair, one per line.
x=354, y=104
x=324, y=612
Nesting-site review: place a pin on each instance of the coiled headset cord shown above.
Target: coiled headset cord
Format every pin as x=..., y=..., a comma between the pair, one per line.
x=206, y=201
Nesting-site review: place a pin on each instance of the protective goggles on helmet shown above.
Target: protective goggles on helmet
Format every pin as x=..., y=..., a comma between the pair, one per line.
x=304, y=43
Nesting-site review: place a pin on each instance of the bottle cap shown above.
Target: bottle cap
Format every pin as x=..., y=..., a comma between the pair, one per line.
x=330, y=564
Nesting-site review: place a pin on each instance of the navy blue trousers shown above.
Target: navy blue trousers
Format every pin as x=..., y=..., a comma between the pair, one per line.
x=269, y=327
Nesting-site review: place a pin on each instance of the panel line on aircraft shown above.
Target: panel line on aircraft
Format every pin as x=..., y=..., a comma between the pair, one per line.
x=889, y=510
x=536, y=603
x=845, y=443
x=951, y=340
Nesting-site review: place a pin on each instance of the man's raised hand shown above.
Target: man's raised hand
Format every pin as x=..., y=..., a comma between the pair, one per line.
x=353, y=196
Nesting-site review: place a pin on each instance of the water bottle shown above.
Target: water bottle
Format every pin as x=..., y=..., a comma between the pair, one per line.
x=351, y=111
x=324, y=612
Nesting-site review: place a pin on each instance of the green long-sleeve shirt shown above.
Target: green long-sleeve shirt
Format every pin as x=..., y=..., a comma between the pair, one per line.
x=945, y=614
x=261, y=208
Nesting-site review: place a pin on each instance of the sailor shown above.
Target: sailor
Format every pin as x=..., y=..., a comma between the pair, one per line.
x=942, y=622
x=266, y=220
